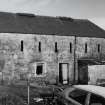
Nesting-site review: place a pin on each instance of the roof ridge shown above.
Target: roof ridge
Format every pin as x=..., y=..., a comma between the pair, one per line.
x=81, y=20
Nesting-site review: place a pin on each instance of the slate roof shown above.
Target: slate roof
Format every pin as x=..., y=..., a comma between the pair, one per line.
x=34, y=24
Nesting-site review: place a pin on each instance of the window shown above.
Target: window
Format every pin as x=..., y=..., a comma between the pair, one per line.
x=78, y=95
x=39, y=46
x=70, y=47
x=95, y=99
x=98, y=48
x=85, y=47
x=39, y=69
x=56, y=49
x=21, y=45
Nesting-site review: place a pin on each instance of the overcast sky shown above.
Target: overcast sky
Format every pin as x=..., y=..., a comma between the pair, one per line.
x=93, y=10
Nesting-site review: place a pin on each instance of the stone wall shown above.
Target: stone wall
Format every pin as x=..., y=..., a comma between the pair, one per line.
x=96, y=74
x=92, y=47
x=92, y=50
x=17, y=64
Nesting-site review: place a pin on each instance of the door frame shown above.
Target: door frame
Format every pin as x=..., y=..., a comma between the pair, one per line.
x=67, y=71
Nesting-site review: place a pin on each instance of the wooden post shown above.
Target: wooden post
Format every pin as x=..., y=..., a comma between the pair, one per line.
x=2, y=79
x=28, y=90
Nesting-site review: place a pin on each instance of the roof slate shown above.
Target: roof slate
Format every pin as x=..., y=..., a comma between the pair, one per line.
x=34, y=24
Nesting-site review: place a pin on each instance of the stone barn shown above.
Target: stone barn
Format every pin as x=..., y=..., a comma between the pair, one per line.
x=52, y=50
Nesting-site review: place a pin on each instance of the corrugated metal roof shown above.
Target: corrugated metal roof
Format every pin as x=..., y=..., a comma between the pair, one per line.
x=34, y=24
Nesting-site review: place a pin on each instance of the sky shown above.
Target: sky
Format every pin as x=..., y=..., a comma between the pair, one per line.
x=93, y=10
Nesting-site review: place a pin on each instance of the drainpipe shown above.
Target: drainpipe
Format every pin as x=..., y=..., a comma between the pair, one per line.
x=75, y=62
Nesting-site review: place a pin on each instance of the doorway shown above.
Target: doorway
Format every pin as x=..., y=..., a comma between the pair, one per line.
x=63, y=73
x=82, y=72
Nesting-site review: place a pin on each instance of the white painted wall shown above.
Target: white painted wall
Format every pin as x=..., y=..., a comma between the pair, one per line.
x=96, y=72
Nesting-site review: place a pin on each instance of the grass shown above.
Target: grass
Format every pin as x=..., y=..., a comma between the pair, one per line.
x=18, y=93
